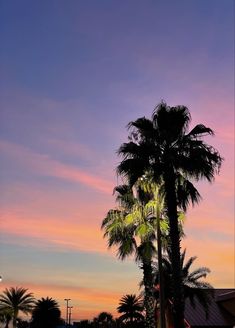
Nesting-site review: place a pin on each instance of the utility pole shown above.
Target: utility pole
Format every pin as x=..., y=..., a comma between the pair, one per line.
x=67, y=307
x=70, y=312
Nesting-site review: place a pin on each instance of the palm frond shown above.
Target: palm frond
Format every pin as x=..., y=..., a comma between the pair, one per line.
x=199, y=271
x=188, y=264
x=186, y=192
x=141, y=129
x=202, y=162
x=126, y=248
x=171, y=122
x=200, y=130
x=131, y=169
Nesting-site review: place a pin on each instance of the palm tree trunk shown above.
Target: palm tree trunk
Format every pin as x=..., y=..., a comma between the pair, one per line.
x=177, y=288
x=14, y=322
x=132, y=321
x=161, y=282
x=7, y=323
x=149, y=300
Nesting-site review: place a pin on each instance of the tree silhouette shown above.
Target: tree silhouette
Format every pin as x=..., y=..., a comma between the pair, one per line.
x=194, y=287
x=164, y=147
x=131, y=306
x=45, y=314
x=134, y=221
x=16, y=299
x=105, y=319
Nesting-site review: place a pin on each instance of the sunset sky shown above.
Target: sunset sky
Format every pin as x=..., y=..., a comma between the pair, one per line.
x=73, y=74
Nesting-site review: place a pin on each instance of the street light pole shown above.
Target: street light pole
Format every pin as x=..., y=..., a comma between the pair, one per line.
x=67, y=306
x=70, y=312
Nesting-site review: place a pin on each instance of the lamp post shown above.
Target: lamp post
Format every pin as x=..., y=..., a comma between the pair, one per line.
x=70, y=312
x=67, y=307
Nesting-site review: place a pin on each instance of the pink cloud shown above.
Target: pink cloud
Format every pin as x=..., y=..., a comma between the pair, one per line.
x=48, y=217
x=45, y=231
x=44, y=165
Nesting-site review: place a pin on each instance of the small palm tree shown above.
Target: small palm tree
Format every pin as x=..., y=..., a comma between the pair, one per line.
x=46, y=313
x=105, y=319
x=131, y=306
x=16, y=299
x=194, y=287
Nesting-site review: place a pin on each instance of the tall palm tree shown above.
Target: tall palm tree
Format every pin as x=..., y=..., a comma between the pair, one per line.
x=16, y=299
x=164, y=147
x=123, y=225
x=194, y=287
x=46, y=313
x=131, y=306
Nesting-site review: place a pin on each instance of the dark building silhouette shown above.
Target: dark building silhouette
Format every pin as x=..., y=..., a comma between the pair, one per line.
x=221, y=314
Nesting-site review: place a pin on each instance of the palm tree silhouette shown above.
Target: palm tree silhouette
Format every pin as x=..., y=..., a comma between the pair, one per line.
x=131, y=306
x=164, y=147
x=45, y=314
x=194, y=287
x=136, y=218
x=16, y=299
x=105, y=319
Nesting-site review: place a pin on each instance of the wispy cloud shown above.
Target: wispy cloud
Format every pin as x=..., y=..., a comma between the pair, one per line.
x=67, y=147
x=42, y=164
x=45, y=231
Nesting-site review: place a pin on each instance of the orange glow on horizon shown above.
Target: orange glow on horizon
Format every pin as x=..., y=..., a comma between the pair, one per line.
x=87, y=303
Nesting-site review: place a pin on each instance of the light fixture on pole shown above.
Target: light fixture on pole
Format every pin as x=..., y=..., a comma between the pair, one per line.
x=67, y=306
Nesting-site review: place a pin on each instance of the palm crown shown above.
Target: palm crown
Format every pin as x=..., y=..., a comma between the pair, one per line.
x=46, y=313
x=131, y=306
x=165, y=141
x=124, y=223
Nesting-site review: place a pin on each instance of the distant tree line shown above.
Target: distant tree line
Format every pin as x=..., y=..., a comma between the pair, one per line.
x=45, y=312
